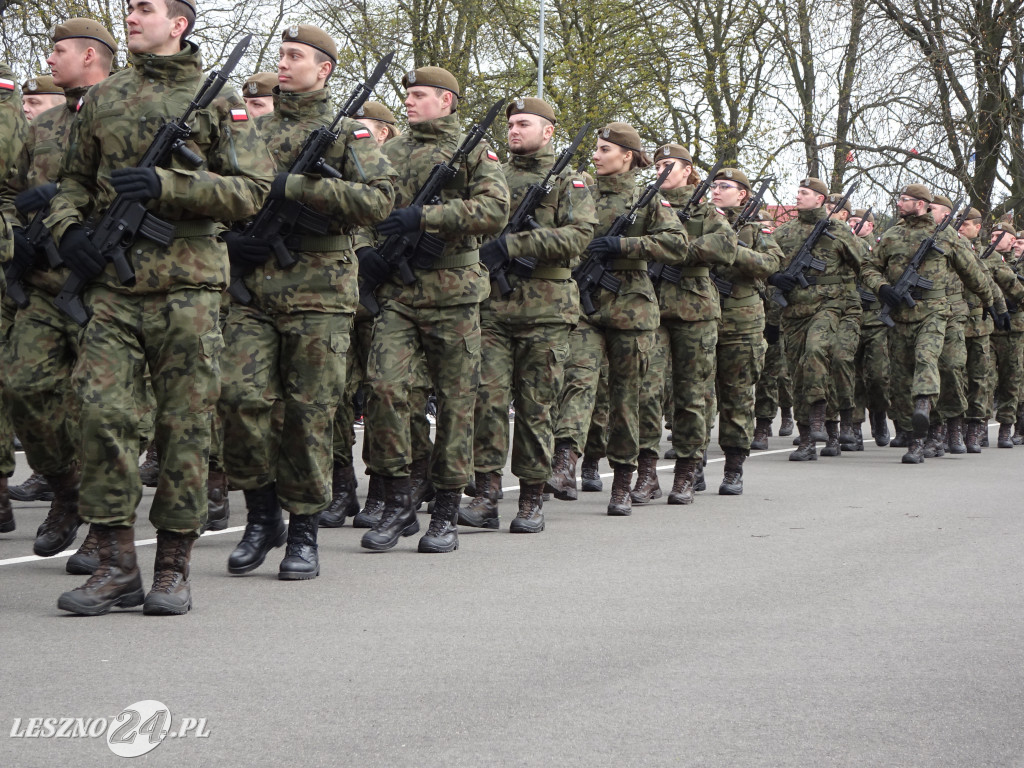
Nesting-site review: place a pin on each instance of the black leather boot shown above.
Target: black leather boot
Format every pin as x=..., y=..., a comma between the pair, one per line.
x=832, y=444
x=590, y=476
x=915, y=452
x=149, y=472
x=973, y=438
x=397, y=519
x=732, y=479
x=699, y=482
x=955, y=437
x=806, y=451
x=116, y=582
x=60, y=527
x=531, y=517
x=301, y=560
x=171, y=594
x=86, y=560
x=442, y=535
x=847, y=439
x=817, y=422
x=787, y=425
x=7, y=523
x=421, y=489
x=482, y=510
x=344, y=502
x=218, y=507
x=1005, y=438
x=880, y=428
x=920, y=420
x=761, y=431
x=264, y=530
x=36, y=488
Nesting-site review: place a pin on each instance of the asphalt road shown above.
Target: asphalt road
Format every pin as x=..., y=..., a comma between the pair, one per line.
x=850, y=612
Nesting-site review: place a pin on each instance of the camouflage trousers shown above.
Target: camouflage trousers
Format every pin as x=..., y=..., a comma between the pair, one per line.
x=524, y=363
x=575, y=407
x=692, y=350
x=774, y=388
x=596, y=445
x=42, y=352
x=1005, y=374
x=843, y=381
x=740, y=360
x=808, y=345
x=177, y=336
x=217, y=431
x=6, y=424
x=298, y=360
x=979, y=369
x=448, y=338
x=872, y=372
x=652, y=394
x=914, y=350
x=952, y=400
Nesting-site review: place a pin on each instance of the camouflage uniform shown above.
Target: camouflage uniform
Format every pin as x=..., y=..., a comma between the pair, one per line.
x=842, y=382
x=774, y=388
x=872, y=363
x=977, y=336
x=169, y=319
x=952, y=401
x=1006, y=364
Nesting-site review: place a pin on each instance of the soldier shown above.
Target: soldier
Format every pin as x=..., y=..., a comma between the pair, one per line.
x=13, y=132
x=915, y=342
x=1006, y=342
x=289, y=344
x=811, y=319
x=44, y=340
x=38, y=94
x=258, y=92
x=741, y=343
x=437, y=315
x=525, y=334
x=168, y=318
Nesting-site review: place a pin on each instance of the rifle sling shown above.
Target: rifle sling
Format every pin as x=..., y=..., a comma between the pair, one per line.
x=196, y=228
x=456, y=260
x=552, y=273
x=694, y=271
x=936, y=294
x=830, y=280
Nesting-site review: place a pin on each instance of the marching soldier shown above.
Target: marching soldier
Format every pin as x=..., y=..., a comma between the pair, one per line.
x=1007, y=367
x=39, y=94
x=258, y=92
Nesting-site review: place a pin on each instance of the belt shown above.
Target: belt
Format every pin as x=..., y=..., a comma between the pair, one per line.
x=318, y=243
x=955, y=296
x=747, y=301
x=551, y=273
x=627, y=265
x=456, y=260
x=937, y=294
x=694, y=271
x=977, y=312
x=196, y=228
x=830, y=280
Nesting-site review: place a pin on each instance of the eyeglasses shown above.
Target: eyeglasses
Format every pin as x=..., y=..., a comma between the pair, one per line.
x=905, y=199
x=722, y=185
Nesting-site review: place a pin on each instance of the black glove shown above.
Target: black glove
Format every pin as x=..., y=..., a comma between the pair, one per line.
x=1003, y=321
x=244, y=251
x=80, y=255
x=136, y=183
x=402, y=221
x=494, y=254
x=771, y=334
x=887, y=295
x=782, y=281
x=608, y=245
x=373, y=270
x=277, y=186
x=32, y=200
x=24, y=253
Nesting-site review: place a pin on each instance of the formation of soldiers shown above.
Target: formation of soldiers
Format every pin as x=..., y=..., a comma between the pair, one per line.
x=408, y=265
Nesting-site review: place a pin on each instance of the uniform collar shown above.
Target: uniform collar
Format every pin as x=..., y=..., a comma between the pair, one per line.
x=535, y=161
x=300, y=106
x=813, y=215
x=186, y=64
x=438, y=128
x=620, y=183
x=679, y=196
x=924, y=220
x=72, y=96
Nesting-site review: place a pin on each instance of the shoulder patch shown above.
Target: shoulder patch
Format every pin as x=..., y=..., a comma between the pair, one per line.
x=666, y=203
x=579, y=183
x=765, y=230
x=492, y=156
x=6, y=85
x=239, y=115
x=78, y=106
x=361, y=133
x=719, y=209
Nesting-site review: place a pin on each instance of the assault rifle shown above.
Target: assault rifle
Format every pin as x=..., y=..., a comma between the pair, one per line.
x=866, y=296
x=125, y=220
x=39, y=239
x=279, y=219
x=658, y=271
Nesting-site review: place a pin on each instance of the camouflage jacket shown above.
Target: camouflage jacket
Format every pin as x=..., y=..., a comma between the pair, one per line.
x=842, y=257
x=13, y=132
x=39, y=163
x=656, y=235
x=958, y=308
x=324, y=277
x=757, y=256
x=566, y=217
x=894, y=252
x=870, y=318
x=475, y=205
x=1005, y=277
x=979, y=322
x=116, y=124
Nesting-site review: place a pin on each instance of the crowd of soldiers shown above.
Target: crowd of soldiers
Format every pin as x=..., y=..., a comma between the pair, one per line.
x=702, y=310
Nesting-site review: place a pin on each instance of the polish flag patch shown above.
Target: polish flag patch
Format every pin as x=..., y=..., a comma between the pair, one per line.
x=666, y=203
x=239, y=115
x=492, y=156
x=6, y=85
x=78, y=106
x=579, y=183
x=361, y=133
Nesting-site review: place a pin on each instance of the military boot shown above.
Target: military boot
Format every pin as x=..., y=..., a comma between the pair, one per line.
x=86, y=560
x=171, y=594
x=530, y=518
x=1005, y=439
x=761, y=431
x=806, y=451
x=920, y=420
x=671, y=453
x=115, y=583
x=858, y=439
x=954, y=436
x=397, y=518
x=442, y=535
x=699, y=483
x=149, y=472
x=620, y=504
x=935, y=442
x=562, y=484
x=7, y=523
x=983, y=434
x=420, y=485
x=374, y=506
x=344, y=502
x=817, y=422
x=647, y=487
x=682, y=482
x=218, y=508
x=880, y=428
x=301, y=560
x=264, y=530
x=36, y=488
x=482, y=509
x=786, y=427
x=971, y=439
x=915, y=451
x=732, y=479
x=1018, y=429
x=590, y=476
x=847, y=439
x=902, y=439
x=832, y=447
x=60, y=527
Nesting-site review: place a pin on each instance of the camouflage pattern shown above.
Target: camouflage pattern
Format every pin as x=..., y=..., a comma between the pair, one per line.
x=977, y=333
x=952, y=400
x=774, y=388
x=13, y=134
x=355, y=376
x=525, y=335
x=168, y=320
x=7, y=462
x=842, y=384
x=871, y=388
x=438, y=315
x=1006, y=347
x=596, y=445
x=576, y=408
x=652, y=393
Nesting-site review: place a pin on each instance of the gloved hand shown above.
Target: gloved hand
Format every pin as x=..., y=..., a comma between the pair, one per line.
x=246, y=252
x=373, y=270
x=1002, y=320
x=609, y=245
x=136, y=183
x=32, y=200
x=494, y=254
x=80, y=255
x=782, y=281
x=771, y=334
x=277, y=187
x=402, y=221
x=887, y=295
x=24, y=253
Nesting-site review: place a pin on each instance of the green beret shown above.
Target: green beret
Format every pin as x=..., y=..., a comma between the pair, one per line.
x=675, y=151
x=531, y=106
x=40, y=86
x=817, y=185
x=1004, y=226
x=942, y=200
x=835, y=197
x=918, y=192
x=431, y=77
x=734, y=174
x=859, y=214
x=625, y=136
x=84, y=28
x=973, y=213
x=260, y=85
x=374, y=110
x=312, y=36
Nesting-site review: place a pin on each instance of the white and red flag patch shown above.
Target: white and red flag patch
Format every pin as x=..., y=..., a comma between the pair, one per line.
x=579, y=183
x=492, y=156
x=361, y=133
x=666, y=203
x=6, y=85
x=239, y=115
